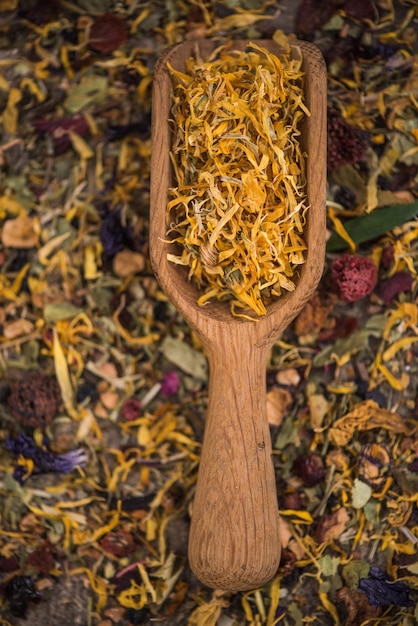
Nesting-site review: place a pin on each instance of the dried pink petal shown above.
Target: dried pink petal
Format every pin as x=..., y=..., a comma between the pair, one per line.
x=170, y=383
x=107, y=33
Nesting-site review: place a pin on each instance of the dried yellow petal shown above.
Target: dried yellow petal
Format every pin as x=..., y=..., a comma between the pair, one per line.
x=238, y=210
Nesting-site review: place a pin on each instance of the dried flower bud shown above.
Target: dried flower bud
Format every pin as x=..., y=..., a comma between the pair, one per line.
x=35, y=399
x=388, y=256
x=353, y=277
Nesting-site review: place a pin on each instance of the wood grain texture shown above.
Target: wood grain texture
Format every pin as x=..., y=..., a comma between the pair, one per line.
x=234, y=537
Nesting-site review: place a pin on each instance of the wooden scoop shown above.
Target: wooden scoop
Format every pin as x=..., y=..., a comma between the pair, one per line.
x=234, y=537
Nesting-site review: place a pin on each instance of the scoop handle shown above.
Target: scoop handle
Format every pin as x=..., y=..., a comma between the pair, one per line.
x=234, y=540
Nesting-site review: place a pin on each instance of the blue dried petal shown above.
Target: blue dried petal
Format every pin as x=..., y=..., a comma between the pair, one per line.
x=44, y=460
x=382, y=591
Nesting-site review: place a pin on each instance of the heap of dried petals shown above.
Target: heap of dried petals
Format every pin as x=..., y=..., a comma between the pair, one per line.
x=238, y=209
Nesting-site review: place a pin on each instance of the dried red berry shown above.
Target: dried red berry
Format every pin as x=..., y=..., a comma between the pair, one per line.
x=353, y=277
x=396, y=284
x=310, y=468
x=131, y=409
x=108, y=32
x=35, y=399
x=120, y=543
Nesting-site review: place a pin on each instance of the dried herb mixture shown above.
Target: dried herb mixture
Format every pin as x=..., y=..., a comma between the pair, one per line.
x=103, y=387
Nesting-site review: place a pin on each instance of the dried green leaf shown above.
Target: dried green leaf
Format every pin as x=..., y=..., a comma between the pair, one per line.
x=360, y=494
x=60, y=311
x=92, y=89
x=185, y=357
x=367, y=227
x=353, y=571
x=328, y=564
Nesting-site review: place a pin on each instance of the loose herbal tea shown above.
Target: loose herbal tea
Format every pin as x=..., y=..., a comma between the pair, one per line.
x=239, y=205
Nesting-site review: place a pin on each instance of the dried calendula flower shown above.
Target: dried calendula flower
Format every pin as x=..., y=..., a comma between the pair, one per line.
x=238, y=209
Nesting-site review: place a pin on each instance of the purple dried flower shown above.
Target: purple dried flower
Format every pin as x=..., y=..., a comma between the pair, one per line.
x=382, y=591
x=170, y=383
x=44, y=460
